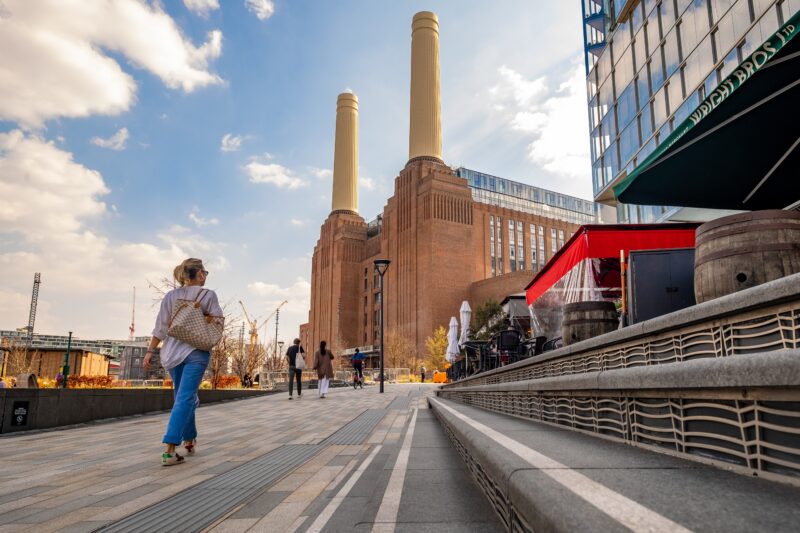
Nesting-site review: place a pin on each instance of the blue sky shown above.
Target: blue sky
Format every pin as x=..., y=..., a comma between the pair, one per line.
x=113, y=115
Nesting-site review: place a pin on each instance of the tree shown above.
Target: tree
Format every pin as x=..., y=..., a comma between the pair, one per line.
x=18, y=360
x=276, y=362
x=247, y=359
x=399, y=351
x=437, y=349
x=487, y=319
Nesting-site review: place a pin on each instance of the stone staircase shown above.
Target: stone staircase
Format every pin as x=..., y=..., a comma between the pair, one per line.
x=715, y=386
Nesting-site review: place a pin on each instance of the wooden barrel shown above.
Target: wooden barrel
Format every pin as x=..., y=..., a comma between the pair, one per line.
x=584, y=320
x=745, y=250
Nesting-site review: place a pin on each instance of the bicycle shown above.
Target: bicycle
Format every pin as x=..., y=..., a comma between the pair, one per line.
x=358, y=380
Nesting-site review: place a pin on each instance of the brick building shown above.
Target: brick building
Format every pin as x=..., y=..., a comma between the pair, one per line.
x=450, y=234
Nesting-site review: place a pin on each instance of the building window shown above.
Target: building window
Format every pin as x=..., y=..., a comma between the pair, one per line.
x=561, y=238
x=553, y=240
x=500, y=241
x=512, y=260
x=541, y=245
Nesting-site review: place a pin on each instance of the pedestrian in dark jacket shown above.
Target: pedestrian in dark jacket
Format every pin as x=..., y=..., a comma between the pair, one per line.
x=296, y=365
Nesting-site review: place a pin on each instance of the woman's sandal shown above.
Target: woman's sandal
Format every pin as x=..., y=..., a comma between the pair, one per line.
x=190, y=446
x=170, y=459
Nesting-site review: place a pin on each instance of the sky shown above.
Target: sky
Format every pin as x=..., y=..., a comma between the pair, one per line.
x=135, y=134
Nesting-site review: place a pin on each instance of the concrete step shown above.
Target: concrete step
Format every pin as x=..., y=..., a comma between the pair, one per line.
x=539, y=477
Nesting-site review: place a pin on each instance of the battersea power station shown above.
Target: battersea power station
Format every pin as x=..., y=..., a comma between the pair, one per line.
x=450, y=234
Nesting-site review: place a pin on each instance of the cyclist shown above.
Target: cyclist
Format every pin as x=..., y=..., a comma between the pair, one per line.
x=358, y=368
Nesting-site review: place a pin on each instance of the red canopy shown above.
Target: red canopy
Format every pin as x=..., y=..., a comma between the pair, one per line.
x=605, y=241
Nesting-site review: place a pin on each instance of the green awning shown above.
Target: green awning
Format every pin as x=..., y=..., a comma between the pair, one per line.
x=739, y=148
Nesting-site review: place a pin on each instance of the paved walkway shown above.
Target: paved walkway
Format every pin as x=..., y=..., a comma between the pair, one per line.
x=402, y=475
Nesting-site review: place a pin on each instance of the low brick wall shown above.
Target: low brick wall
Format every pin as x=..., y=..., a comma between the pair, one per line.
x=27, y=409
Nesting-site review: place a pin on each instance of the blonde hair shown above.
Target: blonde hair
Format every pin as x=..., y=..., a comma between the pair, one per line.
x=187, y=270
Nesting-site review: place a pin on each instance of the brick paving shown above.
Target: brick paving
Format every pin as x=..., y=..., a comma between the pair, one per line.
x=83, y=478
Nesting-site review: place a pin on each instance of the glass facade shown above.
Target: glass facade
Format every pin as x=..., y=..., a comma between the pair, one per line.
x=111, y=348
x=656, y=65
x=501, y=192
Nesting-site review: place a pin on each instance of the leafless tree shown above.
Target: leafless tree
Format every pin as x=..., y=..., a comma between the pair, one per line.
x=160, y=289
x=399, y=351
x=275, y=362
x=18, y=359
x=224, y=351
x=248, y=360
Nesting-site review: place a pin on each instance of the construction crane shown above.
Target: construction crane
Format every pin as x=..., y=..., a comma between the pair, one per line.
x=37, y=280
x=132, y=329
x=254, y=325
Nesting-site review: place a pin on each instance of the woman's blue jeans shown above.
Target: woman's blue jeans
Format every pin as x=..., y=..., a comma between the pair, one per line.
x=186, y=379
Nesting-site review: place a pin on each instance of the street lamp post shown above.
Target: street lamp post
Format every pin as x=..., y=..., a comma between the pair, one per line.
x=65, y=370
x=381, y=265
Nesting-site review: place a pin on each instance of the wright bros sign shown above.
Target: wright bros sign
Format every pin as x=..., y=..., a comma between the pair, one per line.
x=749, y=66
x=754, y=62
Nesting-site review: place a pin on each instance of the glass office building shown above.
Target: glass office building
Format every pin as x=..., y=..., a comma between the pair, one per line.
x=649, y=65
x=501, y=192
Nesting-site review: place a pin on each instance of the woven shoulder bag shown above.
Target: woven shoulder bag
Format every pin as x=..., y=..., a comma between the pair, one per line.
x=191, y=325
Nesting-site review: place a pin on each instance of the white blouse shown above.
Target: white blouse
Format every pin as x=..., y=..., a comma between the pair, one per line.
x=173, y=351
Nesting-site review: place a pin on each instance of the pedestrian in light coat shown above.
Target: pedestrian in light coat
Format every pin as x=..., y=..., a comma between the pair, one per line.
x=185, y=363
x=323, y=364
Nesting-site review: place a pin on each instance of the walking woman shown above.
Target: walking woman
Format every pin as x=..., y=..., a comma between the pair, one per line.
x=323, y=364
x=185, y=363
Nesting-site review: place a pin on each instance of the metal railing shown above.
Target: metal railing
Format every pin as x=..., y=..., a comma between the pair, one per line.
x=138, y=383
x=768, y=327
x=280, y=379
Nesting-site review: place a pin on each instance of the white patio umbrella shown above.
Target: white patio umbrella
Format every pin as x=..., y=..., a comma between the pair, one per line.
x=466, y=314
x=452, y=340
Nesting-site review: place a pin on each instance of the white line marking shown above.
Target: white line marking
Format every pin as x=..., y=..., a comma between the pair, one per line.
x=627, y=512
x=390, y=506
x=337, y=500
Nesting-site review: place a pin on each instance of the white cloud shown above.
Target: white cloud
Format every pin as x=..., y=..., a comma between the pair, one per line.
x=115, y=142
x=44, y=191
x=266, y=297
x=523, y=92
x=201, y=7
x=52, y=207
x=367, y=182
x=321, y=173
x=263, y=9
x=299, y=289
x=231, y=142
x=556, y=121
x=297, y=222
x=60, y=66
x=199, y=221
x=273, y=174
